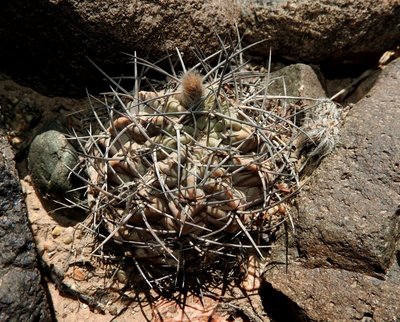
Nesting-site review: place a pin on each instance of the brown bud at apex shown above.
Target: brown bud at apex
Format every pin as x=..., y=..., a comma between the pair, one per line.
x=191, y=89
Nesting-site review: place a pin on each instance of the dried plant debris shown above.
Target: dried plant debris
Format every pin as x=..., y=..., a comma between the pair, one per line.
x=196, y=172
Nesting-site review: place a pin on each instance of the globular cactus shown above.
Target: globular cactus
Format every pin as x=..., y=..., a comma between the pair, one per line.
x=198, y=170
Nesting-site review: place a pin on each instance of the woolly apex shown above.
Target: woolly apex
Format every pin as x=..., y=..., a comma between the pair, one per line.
x=191, y=89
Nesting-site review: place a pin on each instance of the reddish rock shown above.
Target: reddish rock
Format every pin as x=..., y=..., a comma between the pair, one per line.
x=321, y=294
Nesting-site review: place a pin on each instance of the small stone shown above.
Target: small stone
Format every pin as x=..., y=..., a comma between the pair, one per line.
x=121, y=276
x=78, y=274
x=57, y=230
x=67, y=239
x=51, y=157
x=15, y=141
x=68, y=236
x=113, y=310
x=298, y=80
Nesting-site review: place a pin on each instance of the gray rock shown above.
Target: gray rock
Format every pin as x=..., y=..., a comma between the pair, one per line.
x=22, y=297
x=323, y=294
x=318, y=31
x=317, y=116
x=298, y=80
x=51, y=158
x=347, y=214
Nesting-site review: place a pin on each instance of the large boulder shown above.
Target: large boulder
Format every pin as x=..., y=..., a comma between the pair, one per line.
x=347, y=214
x=322, y=31
x=48, y=42
x=346, y=263
x=300, y=294
x=22, y=296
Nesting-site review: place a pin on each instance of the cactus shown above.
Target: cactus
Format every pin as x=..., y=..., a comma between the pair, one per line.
x=200, y=170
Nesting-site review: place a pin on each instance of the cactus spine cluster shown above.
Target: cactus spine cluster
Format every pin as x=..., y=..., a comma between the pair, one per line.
x=197, y=171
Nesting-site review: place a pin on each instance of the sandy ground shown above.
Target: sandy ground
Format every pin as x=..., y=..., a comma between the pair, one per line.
x=83, y=291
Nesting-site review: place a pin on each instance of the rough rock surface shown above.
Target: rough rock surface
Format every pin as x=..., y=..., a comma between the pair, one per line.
x=348, y=224
x=48, y=41
x=324, y=294
x=26, y=113
x=296, y=80
x=318, y=31
x=22, y=296
x=51, y=158
x=347, y=215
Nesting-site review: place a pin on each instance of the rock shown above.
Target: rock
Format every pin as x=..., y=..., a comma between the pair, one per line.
x=54, y=35
x=347, y=214
x=20, y=113
x=22, y=297
x=26, y=113
x=57, y=231
x=322, y=31
x=192, y=310
x=298, y=80
x=47, y=36
x=322, y=294
x=51, y=158
x=68, y=235
x=317, y=116
x=284, y=250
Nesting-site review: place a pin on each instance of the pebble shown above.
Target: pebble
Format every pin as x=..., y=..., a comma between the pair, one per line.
x=51, y=157
x=68, y=236
x=78, y=274
x=16, y=141
x=113, y=310
x=57, y=230
x=67, y=239
x=121, y=276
